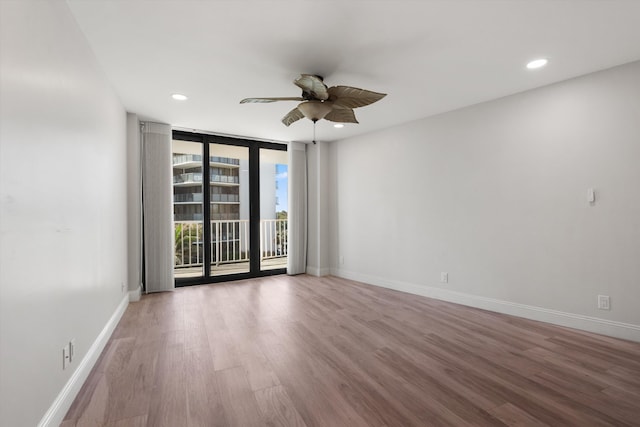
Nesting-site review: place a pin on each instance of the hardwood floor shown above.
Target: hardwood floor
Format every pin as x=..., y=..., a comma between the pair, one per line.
x=307, y=351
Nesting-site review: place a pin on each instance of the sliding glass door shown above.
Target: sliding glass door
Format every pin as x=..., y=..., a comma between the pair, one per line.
x=230, y=241
x=230, y=208
x=274, y=243
x=188, y=209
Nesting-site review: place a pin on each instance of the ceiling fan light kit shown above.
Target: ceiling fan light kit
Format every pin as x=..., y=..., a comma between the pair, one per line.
x=315, y=110
x=319, y=102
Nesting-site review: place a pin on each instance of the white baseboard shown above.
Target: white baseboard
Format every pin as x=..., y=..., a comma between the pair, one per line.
x=577, y=321
x=61, y=405
x=135, y=294
x=315, y=271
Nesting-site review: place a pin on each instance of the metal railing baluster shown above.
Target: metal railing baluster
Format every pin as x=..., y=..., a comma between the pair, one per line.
x=234, y=235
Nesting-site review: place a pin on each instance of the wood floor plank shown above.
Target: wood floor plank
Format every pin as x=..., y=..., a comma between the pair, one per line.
x=542, y=401
x=624, y=414
x=95, y=413
x=351, y=384
x=575, y=363
x=277, y=409
x=417, y=407
x=460, y=404
x=315, y=352
x=238, y=400
x=316, y=397
x=513, y=416
x=168, y=406
x=223, y=349
x=204, y=407
x=140, y=373
x=625, y=398
x=258, y=370
x=140, y=421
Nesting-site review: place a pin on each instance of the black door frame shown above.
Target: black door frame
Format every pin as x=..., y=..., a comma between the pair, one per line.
x=254, y=206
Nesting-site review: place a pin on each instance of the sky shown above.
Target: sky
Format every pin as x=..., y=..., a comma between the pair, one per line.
x=282, y=181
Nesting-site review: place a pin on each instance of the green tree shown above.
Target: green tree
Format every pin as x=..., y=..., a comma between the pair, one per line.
x=282, y=232
x=185, y=236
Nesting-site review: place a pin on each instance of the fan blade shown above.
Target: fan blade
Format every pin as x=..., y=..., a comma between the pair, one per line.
x=352, y=97
x=341, y=115
x=292, y=116
x=262, y=100
x=312, y=85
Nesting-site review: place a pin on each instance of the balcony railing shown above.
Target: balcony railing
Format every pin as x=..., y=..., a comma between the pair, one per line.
x=191, y=158
x=187, y=217
x=229, y=241
x=225, y=178
x=225, y=198
x=187, y=197
x=187, y=177
x=274, y=238
x=196, y=177
x=197, y=198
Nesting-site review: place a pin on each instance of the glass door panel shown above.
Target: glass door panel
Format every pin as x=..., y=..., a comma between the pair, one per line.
x=273, y=209
x=229, y=209
x=187, y=209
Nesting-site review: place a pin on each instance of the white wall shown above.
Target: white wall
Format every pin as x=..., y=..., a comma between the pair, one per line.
x=134, y=210
x=495, y=195
x=62, y=206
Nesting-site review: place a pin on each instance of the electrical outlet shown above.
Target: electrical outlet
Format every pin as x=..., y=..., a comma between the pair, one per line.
x=122, y=287
x=341, y=259
x=72, y=349
x=444, y=277
x=604, y=302
x=65, y=357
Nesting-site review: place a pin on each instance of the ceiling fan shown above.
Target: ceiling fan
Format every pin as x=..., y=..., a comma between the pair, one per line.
x=334, y=103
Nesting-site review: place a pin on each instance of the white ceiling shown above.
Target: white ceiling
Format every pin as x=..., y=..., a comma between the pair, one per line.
x=429, y=56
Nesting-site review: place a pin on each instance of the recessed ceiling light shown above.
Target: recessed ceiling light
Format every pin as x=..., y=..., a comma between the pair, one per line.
x=537, y=63
x=338, y=125
x=179, y=97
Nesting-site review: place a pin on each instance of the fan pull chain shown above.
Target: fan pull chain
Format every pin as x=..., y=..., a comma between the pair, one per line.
x=314, y=131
